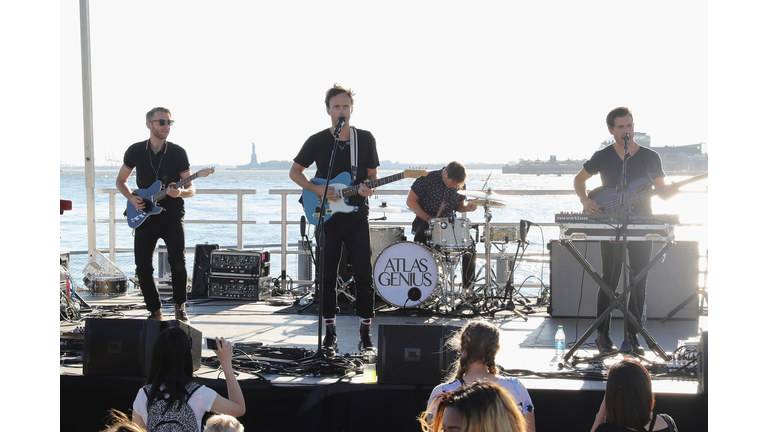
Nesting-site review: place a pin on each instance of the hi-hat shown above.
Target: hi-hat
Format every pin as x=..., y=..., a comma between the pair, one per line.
x=384, y=208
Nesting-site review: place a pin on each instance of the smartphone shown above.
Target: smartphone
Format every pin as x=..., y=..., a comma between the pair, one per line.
x=210, y=343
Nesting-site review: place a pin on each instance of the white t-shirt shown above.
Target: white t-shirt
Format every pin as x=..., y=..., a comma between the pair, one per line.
x=200, y=402
x=512, y=385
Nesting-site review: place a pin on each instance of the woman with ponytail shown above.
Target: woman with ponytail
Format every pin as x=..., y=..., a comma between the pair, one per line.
x=477, y=344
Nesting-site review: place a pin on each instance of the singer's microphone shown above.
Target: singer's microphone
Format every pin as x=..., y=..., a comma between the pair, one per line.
x=340, y=124
x=625, y=136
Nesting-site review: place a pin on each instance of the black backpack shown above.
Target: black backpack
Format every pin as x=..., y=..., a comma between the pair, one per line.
x=172, y=420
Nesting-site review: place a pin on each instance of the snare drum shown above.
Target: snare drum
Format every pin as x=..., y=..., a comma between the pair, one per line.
x=109, y=285
x=505, y=234
x=381, y=237
x=448, y=235
x=405, y=274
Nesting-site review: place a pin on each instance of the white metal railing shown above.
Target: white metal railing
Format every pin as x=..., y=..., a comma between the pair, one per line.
x=284, y=222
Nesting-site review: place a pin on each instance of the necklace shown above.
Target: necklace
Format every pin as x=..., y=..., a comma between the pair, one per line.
x=157, y=171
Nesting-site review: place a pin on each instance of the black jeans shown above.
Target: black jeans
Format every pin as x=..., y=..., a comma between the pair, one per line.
x=171, y=230
x=639, y=256
x=352, y=231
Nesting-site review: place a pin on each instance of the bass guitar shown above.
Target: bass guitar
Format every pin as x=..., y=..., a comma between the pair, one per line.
x=639, y=190
x=341, y=183
x=152, y=195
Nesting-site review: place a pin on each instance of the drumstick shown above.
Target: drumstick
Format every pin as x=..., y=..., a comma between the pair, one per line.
x=442, y=205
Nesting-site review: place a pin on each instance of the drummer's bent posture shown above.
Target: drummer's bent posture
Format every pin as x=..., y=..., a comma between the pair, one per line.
x=436, y=195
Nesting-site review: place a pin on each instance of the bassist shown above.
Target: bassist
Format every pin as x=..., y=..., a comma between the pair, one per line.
x=643, y=163
x=158, y=159
x=350, y=230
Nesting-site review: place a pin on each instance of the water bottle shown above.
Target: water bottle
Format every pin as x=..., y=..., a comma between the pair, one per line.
x=560, y=342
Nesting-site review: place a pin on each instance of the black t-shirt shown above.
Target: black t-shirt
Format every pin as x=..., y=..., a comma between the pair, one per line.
x=318, y=148
x=167, y=166
x=645, y=163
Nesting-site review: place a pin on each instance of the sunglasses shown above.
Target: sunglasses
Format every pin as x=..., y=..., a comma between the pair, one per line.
x=162, y=122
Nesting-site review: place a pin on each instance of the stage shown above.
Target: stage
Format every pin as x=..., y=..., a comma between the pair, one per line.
x=563, y=398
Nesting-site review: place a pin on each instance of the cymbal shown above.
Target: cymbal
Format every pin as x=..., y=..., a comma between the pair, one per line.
x=384, y=208
x=491, y=203
x=484, y=195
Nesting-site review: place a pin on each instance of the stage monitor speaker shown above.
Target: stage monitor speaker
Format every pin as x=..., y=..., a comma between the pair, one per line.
x=702, y=366
x=414, y=354
x=124, y=346
x=671, y=281
x=201, y=271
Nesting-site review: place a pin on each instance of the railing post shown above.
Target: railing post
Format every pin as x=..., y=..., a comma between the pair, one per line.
x=283, y=236
x=112, y=228
x=240, y=219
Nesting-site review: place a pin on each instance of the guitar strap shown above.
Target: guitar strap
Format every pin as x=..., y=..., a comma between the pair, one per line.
x=353, y=152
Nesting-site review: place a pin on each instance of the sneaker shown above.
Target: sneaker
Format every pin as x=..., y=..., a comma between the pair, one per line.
x=604, y=343
x=330, y=344
x=366, y=339
x=181, y=312
x=636, y=347
x=156, y=315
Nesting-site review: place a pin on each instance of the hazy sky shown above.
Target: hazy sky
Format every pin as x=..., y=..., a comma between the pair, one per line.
x=483, y=81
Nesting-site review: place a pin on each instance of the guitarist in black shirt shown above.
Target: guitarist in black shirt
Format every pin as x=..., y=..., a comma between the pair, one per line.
x=158, y=159
x=350, y=230
x=642, y=163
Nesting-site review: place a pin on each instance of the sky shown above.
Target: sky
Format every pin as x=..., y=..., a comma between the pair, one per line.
x=496, y=81
x=484, y=81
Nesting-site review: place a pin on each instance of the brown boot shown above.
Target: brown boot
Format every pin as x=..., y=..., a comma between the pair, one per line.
x=181, y=312
x=156, y=315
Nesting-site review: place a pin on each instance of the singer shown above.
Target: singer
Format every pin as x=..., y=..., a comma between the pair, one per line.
x=348, y=230
x=642, y=162
x=436, y=195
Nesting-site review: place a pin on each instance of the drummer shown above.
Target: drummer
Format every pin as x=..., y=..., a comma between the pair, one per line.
x=436, y=196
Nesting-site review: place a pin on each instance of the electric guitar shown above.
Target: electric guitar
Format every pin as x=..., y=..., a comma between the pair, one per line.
x=639, y=190
x=152, y=195
x=341, y=184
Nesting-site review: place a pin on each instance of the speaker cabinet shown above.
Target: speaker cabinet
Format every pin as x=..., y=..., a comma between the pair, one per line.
x=414, y=354
x=671, y=281
x=124, y=346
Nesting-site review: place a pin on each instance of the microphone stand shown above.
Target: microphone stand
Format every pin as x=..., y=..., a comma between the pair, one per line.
x=622, y=232
x=321, y=244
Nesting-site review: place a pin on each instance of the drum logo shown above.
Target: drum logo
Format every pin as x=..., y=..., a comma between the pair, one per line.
x=412, y=272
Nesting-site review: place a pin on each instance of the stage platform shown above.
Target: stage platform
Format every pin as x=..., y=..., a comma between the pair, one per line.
x=563, y=400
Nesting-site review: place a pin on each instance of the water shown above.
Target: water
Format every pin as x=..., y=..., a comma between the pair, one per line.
x=263, y=208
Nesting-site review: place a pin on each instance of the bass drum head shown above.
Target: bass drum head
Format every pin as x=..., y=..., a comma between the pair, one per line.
x=405, y=274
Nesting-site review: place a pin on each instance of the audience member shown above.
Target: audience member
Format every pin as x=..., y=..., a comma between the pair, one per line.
x=171, y=395
x=628, y=402
x=223, y=423
x=481, y=406
x=119, y=422
x=477, y=344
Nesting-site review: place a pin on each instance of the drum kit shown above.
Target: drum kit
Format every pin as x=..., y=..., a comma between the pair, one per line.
x=412, y=275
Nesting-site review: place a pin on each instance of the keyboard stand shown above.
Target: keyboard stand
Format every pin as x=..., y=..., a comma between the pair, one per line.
x=618, y=301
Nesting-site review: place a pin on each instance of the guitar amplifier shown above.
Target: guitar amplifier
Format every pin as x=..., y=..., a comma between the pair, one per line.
x=233, y=288
x=252, y=264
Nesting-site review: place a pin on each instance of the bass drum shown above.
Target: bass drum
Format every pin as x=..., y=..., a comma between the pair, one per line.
x=405, y=274
x=381, y=237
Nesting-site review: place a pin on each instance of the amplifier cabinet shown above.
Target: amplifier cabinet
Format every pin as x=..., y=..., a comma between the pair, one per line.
x=253, y=264
x=234, y=288
x=671, y=281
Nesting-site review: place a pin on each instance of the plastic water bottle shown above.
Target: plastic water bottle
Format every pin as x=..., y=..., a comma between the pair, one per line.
x=560, y=342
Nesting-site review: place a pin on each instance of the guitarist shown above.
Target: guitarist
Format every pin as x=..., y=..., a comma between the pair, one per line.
x=642, y=163
x=159, y=159
x=343, y=229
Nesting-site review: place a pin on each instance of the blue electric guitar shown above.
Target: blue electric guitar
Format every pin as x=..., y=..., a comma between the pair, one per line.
x=340, y=184
x=639, y=190
x=152, y=195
